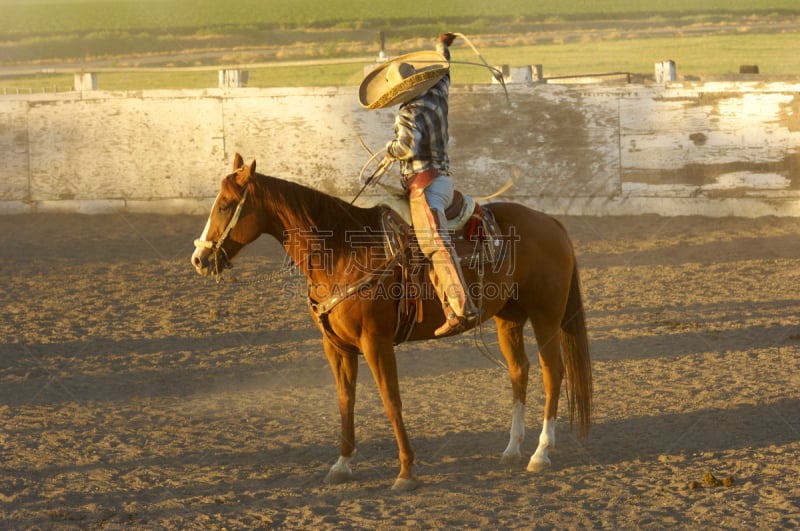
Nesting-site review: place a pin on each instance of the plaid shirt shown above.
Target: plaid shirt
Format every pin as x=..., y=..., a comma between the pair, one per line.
x=420, y=129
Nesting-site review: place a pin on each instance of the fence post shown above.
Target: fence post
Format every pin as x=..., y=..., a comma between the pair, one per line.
x=233, y=78
x=505, y=72
x=382, y=57
x=85, y=81
x=538, y=73
x=519, y=74
x=665, y=71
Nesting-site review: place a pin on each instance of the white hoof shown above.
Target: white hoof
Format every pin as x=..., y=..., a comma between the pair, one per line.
x=540, y=459
x=538, y=463
x=340, y=472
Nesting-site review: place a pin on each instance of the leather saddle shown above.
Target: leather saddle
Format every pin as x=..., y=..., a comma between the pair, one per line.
x=458, y=213
x=475, y=236
x=474, y=232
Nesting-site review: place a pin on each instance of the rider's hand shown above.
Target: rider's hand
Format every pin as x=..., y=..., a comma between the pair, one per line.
x=447, y=38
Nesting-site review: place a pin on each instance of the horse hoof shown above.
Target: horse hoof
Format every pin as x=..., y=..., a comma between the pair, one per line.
x=510, y=459
x=405, y=484
x=336, y=477
x=538, y=464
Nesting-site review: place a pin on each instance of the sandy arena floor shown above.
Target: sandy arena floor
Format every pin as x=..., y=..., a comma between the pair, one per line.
x=136, y=394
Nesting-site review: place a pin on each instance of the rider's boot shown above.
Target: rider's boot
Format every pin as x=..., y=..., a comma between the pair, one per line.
x=448, y=279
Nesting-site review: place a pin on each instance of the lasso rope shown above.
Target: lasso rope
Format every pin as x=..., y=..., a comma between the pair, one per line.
x=496, y=73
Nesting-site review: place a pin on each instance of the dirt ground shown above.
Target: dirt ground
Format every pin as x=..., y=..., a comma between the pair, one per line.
x=136, y=394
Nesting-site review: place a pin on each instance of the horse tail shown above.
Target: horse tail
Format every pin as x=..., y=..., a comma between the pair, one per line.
x=577, y=362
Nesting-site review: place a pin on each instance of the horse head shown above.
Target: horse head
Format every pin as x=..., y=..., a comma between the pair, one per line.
x=229, y=226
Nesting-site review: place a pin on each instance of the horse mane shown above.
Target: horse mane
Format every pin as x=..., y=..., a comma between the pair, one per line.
x=303, y=207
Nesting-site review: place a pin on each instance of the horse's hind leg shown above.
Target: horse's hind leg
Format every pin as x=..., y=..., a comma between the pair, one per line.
x=548, y=338
x=512, y=344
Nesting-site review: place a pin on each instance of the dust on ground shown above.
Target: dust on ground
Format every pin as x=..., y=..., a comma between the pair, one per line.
x=136, y=394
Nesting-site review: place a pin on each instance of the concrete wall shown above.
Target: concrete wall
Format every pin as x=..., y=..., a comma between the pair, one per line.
x=704, y=148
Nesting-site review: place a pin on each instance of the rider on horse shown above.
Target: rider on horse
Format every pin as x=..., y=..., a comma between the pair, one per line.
x=420, y=83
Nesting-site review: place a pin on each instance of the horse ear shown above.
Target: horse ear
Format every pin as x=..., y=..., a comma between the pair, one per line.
x=245, y=173
x=238, y=162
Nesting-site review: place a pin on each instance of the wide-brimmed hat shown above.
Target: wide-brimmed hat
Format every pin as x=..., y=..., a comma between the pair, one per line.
x=401, y=79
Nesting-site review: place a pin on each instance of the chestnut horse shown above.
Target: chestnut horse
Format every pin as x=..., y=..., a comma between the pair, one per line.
x=331, y=241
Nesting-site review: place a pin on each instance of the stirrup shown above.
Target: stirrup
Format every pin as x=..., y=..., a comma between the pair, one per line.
x=453, y=324
x=457, y=323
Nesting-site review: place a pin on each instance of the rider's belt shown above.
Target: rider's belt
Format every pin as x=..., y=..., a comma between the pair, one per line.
x=420, y=181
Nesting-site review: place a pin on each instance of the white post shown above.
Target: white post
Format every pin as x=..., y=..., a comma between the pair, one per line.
x=233, y=78
x=665, y=71
x=521, y=74
x=85, y=81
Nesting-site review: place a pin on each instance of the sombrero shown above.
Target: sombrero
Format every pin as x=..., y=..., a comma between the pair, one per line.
x=401, y=79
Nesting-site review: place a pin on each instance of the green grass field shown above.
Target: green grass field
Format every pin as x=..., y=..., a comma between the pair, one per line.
x=704, y=37
x=39, y=17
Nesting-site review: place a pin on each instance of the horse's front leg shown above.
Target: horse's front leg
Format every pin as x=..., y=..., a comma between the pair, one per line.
x=379, y=353
x=345, y=370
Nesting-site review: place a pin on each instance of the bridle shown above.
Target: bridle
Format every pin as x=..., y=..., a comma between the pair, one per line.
x=216, y=246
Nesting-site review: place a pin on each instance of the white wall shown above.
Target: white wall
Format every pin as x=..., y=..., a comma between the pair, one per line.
x=703, y=148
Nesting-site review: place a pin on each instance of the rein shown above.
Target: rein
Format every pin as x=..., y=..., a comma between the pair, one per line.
x=381, y=271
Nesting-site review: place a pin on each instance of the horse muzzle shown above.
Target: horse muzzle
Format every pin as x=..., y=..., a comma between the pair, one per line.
x=209, y=260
